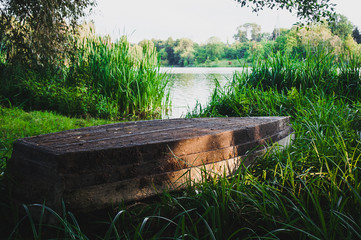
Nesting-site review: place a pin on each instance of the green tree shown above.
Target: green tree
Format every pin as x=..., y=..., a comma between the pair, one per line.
x=184, y=48
x=356, y=35
x=200, y=53
x=38, y=30
x=341, y=26
x=230, y=51
x=315, y=37
x=244, y=50
x=160, y=46
x=173, y=58
x=214, y=48
x=279, y=35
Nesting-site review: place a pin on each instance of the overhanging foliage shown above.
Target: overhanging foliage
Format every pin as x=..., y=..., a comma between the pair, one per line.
x=39, y=30
x=309, y=10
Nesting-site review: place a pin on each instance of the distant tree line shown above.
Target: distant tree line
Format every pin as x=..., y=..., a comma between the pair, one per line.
x=339, y=36
x=42, y=32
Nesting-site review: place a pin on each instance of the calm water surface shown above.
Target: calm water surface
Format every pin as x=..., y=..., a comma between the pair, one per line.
x=191, y=85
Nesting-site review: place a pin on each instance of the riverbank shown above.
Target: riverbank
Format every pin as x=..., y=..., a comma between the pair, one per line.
x=308, y=190
x=115, y=82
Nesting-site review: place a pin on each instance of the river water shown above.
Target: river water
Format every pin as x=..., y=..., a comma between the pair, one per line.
x=191, y=85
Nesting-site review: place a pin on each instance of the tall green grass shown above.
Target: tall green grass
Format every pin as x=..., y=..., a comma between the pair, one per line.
x=316, y=69
x=309, y=190
x=102, y=79
x=128, y=78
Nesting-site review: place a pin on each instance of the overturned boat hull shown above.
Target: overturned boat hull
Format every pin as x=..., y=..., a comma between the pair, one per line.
x=96, y=167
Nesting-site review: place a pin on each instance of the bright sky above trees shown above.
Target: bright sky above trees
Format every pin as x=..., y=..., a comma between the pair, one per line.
x=198, y=20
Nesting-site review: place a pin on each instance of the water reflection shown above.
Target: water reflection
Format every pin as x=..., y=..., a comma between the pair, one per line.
x=191, y=85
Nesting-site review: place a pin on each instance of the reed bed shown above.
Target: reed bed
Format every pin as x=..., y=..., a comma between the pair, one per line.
x=102, y=79
x=315, y=69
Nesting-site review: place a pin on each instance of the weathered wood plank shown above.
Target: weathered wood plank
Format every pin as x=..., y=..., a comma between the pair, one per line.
x=144, y=133
x=101, y=196
x=55, y=166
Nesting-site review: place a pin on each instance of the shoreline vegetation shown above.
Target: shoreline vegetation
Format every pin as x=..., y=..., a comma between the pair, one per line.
x=216, y=63
x=102, y=79
x=309, y=190
x=250, y=44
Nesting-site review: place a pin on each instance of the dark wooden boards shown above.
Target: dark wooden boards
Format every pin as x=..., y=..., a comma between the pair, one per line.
x=95, y=167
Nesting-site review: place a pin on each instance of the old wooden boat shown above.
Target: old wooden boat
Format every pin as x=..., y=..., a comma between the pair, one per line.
x=96, y=167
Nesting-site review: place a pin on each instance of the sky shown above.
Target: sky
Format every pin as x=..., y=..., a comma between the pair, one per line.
x=195, y=19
